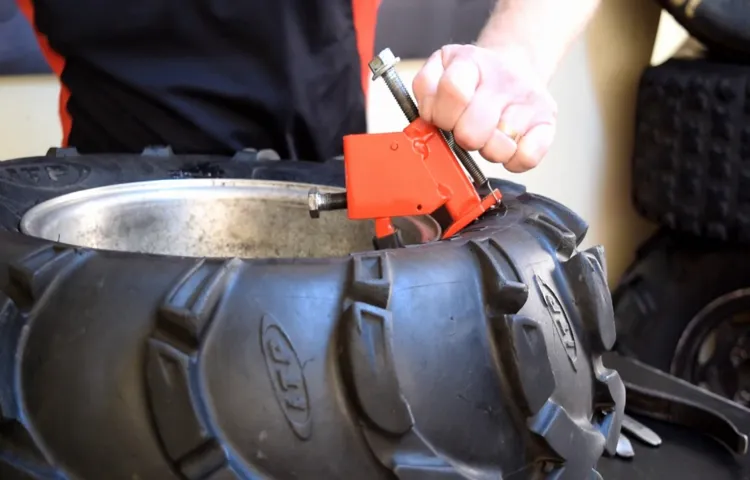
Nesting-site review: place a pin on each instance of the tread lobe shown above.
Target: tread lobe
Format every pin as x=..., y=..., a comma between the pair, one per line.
x=207, y=462
x=370, y=373
x=520, y=339
x=11, y=325
x=427, y=472
x=18, y=451
x=589, y=284
x=190, y=304
x=578, y=446
x=565, y=240
x=167, y=375
x=609, y=396
x=372, y=279
x=565, y=437
x=35, y=275
x=531, y=371
x=504, y=295
x=187, y=311
x=42, y=268
x=586, y=273
x=567, y=217
x=534, y=370
x=370, y=353
x=368, y=345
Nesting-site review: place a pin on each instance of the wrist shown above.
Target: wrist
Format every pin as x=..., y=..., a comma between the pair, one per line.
x=541, y=30
x=543, y=60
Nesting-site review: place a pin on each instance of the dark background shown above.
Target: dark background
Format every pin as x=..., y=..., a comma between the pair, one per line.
x=19, y=53
x=411, y=28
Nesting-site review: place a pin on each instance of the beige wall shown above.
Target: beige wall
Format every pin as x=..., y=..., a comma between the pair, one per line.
x=28, y=116
x=587, y=169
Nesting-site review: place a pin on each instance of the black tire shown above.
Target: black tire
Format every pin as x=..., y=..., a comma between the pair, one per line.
x=720, y=24
x=692, y=148
x=673, y=295
x=27, y=182
x=479, y=354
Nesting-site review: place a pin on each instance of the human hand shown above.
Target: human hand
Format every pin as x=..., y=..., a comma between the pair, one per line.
x=494, y=101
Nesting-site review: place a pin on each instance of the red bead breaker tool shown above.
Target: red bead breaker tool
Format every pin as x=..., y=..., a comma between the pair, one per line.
x=417, y=171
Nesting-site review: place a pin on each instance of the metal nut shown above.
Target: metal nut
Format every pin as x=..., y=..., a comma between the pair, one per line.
x=382, y=62
x=314, y=199
x=268, y=154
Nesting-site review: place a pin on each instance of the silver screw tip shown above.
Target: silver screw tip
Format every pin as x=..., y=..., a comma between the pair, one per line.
x=382, y=62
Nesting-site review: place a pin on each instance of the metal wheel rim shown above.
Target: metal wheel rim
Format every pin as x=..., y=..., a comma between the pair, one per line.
x=698, y=347
x=154, y=217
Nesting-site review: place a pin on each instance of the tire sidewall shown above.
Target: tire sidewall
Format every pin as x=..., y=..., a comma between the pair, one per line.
x=27, y=182
x=714, y=23
x=666, y=288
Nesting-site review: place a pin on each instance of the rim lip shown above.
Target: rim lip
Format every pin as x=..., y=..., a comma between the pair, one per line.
x=168, y=186
x=171, y=185
x=701, y=325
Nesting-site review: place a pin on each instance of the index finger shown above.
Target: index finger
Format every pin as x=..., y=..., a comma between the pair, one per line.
x=425, y=84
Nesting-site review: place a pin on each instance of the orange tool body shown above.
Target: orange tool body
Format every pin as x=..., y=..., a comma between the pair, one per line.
x=418, y=171
x=413, y=172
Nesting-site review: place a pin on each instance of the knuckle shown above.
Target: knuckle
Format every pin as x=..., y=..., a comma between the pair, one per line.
x=419, y=84
x=552, y=110
x=495, y=154
x=446, y=53
x=458, y=85
x=425, y=109
x=468, y=137
x=451, y=49
x=447, y=87
x=441, y=119
x=546, y=102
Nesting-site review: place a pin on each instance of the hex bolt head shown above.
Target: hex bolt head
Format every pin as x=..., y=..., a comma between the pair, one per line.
x=383, y=61
x=268, y=154
x=314, y=200
x=317, y=202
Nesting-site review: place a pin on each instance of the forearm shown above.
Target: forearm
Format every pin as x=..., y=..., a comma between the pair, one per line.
x=542, y=29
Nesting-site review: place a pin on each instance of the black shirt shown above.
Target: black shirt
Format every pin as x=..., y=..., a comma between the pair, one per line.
x=208, y=76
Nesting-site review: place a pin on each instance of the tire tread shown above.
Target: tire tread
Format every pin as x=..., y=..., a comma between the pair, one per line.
x=691, y=147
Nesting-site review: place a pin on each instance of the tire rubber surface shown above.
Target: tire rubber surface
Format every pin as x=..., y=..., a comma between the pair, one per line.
x=671, y=280
x=720, y=24
x=475, y=357
x=691, y=164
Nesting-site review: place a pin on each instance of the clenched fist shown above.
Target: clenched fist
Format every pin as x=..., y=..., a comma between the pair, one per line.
x=493, y=101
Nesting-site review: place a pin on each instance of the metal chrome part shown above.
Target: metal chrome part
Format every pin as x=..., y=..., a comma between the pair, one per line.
x=383, y=65
x=318, y=202
x=209, y=218
x=640, y=431
x=655, y=394
x=383, y=62
x=624, y=447
x=713, y=351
